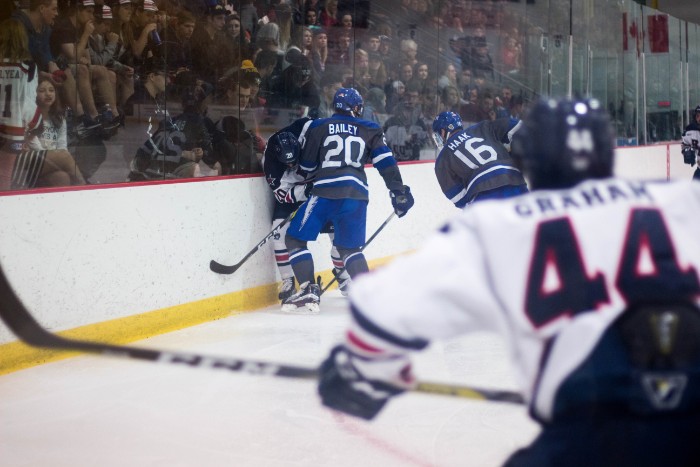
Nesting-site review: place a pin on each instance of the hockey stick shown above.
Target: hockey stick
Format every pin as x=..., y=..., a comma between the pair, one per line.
x=23, y=325
x=374, y=235
x=223, y=269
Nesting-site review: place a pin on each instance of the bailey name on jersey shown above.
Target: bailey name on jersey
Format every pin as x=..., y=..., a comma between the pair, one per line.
x=559, y=202
x=337, y=128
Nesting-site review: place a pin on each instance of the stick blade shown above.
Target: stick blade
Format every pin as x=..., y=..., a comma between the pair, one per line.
x=222, y=268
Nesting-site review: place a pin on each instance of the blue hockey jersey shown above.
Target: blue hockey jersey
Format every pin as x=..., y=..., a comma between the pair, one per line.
x=475, y=161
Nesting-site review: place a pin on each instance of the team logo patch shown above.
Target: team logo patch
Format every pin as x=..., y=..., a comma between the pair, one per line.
x=664, y=390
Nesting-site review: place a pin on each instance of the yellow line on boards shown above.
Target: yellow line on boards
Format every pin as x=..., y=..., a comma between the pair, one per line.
x=15, y=356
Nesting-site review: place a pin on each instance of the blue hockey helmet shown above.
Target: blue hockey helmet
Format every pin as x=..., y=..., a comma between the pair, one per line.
x=448, y=122
x=563, y=142
x=285, y=147
x=348, y=100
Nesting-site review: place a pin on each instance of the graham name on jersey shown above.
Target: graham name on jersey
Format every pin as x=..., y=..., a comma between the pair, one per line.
x=558, y=203
x=335, y=128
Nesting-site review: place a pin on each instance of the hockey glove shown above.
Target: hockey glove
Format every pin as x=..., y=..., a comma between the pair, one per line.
x=689, y=156
x=402, y=200
x=359, y=386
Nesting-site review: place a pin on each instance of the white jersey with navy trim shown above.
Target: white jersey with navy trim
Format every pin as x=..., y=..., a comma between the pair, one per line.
x=18, y=84
x=550, y=271
x=475, y=160
x=335, y=151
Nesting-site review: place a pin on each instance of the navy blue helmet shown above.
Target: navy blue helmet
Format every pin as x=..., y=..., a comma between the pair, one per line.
x=563, y=142
x=285, y=147
x=447, y=121
x=348, y=100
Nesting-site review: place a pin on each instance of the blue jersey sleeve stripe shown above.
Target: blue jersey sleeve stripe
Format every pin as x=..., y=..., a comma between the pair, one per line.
x=307, y=168
x=376, y=158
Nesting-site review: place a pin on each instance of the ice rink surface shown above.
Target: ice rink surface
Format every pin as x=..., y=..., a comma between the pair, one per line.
x=108, y=412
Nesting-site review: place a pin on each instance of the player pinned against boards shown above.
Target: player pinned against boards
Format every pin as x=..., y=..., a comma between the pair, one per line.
x=290, y=190
x=474, y=164
x=334, y=153
x=32, y=151
x=602, y=324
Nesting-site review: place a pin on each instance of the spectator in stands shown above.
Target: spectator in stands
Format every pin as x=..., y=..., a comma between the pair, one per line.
x=395, y=95
x=266, y=61
x=103, y=46
x=421, y=76
x=122, y=11
x=450, y=100
x=406, y=131
x=409, y=52
x=69, y=40
x=342, y=50
x=212, y=52
x=372, y=43
x=484, y=111
x=511, y=56
x=375, y=106
x=296, y=90
x=249, y=17
x=139, y=37
x=302, y=39
x=319, y=51
x=175, y=149
x=37, y=21
x=481, y=61
x=150, y=89
x=238, y=40
x=20, y=167
x=234, y=146
x=311, y=18
x=329, y=14
x=52, y=137
x=406, y=72
x=346, y=21
x=330, y=82
x=448, y=77
x=361, y=62
x=283, y=12
x=251, y=76
x=179, y=43
x=502, y=102
x=377, y=71
x=464, y=82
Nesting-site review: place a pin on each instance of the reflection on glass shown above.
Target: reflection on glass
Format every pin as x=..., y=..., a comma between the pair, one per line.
x=160, y=89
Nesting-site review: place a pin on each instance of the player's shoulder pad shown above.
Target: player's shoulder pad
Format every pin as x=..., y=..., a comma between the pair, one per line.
x=368, y=124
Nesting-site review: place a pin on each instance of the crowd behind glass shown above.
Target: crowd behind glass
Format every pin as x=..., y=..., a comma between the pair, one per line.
x=193, y=88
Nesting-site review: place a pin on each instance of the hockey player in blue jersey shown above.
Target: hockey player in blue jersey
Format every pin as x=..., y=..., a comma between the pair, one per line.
x=290, y=189
x=592, y=281
x=473, y=163
x=334, y=152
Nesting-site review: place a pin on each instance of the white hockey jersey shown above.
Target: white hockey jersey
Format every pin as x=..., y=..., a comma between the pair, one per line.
x=19, y=112
x=549, y=270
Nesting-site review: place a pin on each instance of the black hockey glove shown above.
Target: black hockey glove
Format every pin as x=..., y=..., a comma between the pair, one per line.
x=402, y=200
x=359, y=386
x=689, y=156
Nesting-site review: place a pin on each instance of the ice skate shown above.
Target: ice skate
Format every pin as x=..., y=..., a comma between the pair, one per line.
x=306, y=300
x=287, y=289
